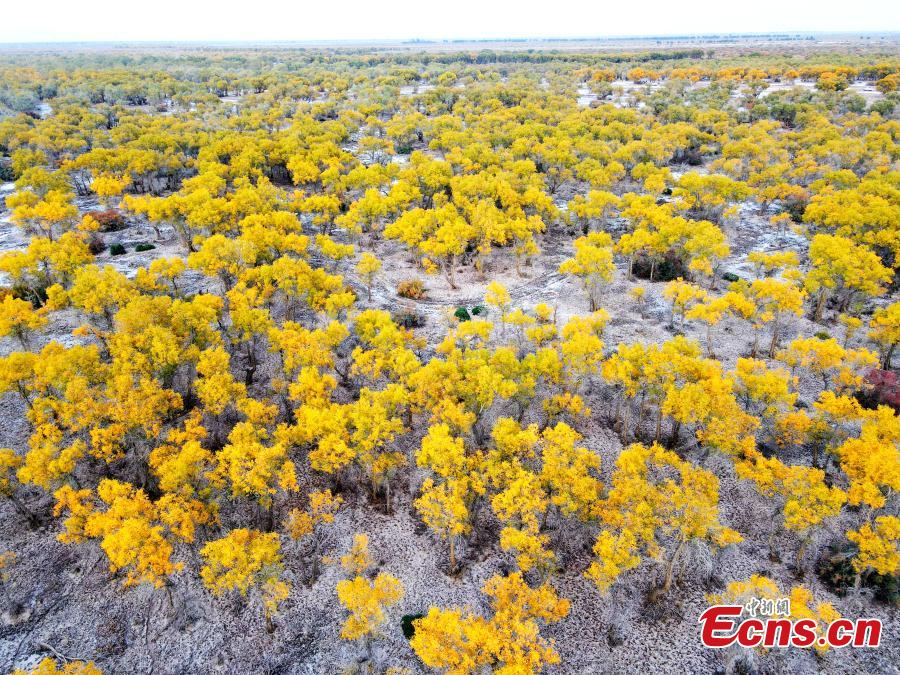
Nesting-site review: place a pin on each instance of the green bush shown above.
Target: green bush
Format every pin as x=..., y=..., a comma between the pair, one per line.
x=822, y=335
x=462, y=314
x=143, y=246
x=786, y=113
x=117, y=249
x=479, y=310
x=884, y=107
x=835, y=569
x=886, y=586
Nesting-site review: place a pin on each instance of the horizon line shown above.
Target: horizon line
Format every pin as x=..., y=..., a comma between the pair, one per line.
x=448, y=40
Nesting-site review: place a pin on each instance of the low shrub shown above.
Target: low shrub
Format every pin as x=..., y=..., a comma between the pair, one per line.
x=117, y=249
x=408, y=318
x=95, y=243
x=144, y=246
x=414, y=289
x=689, y=156
x=110, y=221
x=884, y=107
x=883, y=389
x=462, y=314
x=835, y=569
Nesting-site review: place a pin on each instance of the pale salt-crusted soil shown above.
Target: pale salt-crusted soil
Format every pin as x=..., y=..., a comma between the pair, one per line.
x=60, y=601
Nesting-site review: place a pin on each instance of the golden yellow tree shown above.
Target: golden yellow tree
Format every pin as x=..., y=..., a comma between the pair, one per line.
x=463, y=643
x=366, y=600
x=245, y=559
x=592, y=263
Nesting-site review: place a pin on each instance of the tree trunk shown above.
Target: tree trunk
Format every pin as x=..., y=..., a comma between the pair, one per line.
x=775, y=330
x=889, y=356
x=659, y=416
x=451, y=272
x=642, y=409
x=800, y=551
x=820, y=305
x=250, y=369
x=623, y=434
x=670, y=569
x=676, y=428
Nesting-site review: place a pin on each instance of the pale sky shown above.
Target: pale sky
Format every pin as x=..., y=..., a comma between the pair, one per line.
x=261, y=20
